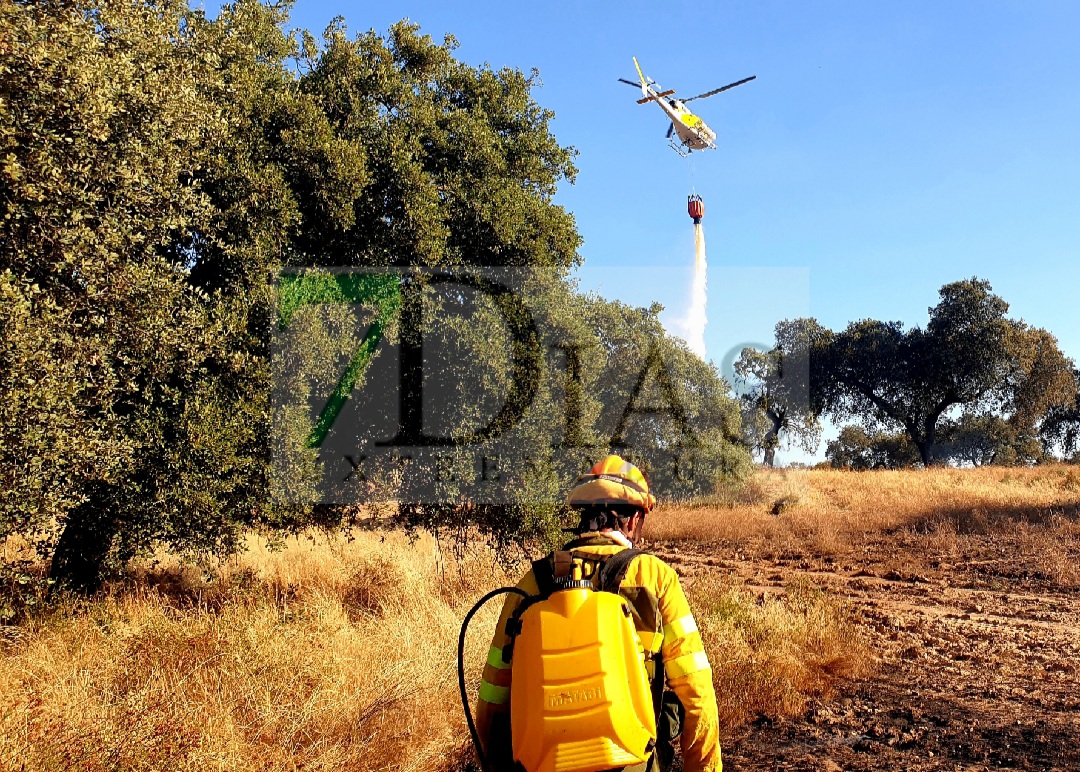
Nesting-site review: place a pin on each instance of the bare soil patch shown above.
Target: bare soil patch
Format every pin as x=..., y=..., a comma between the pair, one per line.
x=977, y=647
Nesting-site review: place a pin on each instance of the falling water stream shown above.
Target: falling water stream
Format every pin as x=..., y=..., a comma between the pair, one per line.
x=696, y=316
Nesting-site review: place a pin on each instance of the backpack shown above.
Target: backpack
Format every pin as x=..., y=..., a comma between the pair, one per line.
x=581, y=699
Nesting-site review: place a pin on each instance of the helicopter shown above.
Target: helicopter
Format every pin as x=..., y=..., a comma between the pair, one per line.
x=692, y=132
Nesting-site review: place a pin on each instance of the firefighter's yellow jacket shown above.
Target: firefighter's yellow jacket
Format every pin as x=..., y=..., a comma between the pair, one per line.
x=664, y=622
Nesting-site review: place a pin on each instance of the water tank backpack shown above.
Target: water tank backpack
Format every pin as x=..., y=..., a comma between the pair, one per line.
x=581, y=699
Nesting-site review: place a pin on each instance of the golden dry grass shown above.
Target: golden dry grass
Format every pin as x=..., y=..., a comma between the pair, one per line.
x=831, y=511
x=336, y=654
x=771, y=654
x=326, y=656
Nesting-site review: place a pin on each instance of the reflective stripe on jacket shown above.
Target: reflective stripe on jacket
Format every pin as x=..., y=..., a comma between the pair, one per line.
x=663, y=621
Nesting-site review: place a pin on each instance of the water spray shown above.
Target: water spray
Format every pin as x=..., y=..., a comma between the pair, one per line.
x=696, y=317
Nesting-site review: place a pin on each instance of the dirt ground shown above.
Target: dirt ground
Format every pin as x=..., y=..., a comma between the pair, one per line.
x=979, y=658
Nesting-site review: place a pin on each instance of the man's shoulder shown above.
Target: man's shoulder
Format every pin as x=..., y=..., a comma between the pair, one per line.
x=653, y=570
x=649, y=557
x=528, y=584
x=597, y=543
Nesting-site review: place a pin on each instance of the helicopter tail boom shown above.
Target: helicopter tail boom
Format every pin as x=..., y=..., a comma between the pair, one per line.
x=654, y=96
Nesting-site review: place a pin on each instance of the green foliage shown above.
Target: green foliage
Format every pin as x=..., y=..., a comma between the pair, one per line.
x=459, y=164
x=148, y=155
x=970, y=356
x=910, y=378
x=980, y=440
x=632, y=389
x=158, y=169
x=780, y=388
x=109, y=349
x=22, y=589
x=855, y=448
x=1060, y=430
x=459, y=169
x=668, y=408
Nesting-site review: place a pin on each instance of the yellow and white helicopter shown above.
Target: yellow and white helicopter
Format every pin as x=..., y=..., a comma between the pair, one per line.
x=692, y=132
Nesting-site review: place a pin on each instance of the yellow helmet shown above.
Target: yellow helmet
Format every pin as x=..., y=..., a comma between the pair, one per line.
x=612, y=481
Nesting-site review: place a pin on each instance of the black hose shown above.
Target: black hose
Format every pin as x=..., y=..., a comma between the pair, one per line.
x=461, y=665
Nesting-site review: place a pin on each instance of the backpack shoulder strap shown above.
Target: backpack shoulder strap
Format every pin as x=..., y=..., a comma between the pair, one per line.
x=614, y=569
x=544, y=573
x=545, y=570
x=554, y=565
x=612, y=574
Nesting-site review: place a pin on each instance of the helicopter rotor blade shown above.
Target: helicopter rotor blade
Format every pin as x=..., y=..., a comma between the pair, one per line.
x=629, y=83
x=670, y=130
x=716, y=91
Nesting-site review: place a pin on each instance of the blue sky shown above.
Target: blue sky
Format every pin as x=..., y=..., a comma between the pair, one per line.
x=884, y=149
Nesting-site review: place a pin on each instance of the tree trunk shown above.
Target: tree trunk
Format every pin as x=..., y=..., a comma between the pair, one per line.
x=772, y=439
x=929, y=437
x=83, y=547
x=926, y=447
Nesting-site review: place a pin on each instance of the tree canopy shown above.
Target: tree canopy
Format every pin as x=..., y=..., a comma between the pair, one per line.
x=128, y=418
x=970, y=360
x=782, y=388
x=911, y=378
x=855, y=448
x=1060, y=430
x=160, y=172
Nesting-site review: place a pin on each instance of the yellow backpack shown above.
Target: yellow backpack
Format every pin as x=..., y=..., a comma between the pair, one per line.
x=581, y=699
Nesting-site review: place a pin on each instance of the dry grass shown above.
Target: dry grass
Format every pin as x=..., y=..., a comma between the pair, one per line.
x=327, y=656
x=341, y=654
x=828, y=512
x=770, y=654
x=1053, y=550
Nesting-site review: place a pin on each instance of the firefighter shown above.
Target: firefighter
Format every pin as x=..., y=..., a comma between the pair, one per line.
x=612, y=500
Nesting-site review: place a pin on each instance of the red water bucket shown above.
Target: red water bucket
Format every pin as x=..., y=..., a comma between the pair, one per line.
x=695, y=207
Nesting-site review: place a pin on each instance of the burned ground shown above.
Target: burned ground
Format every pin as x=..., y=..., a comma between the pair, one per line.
x=977, y=654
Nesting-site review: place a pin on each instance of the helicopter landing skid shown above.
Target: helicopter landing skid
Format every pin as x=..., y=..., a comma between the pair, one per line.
x=678, y=148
